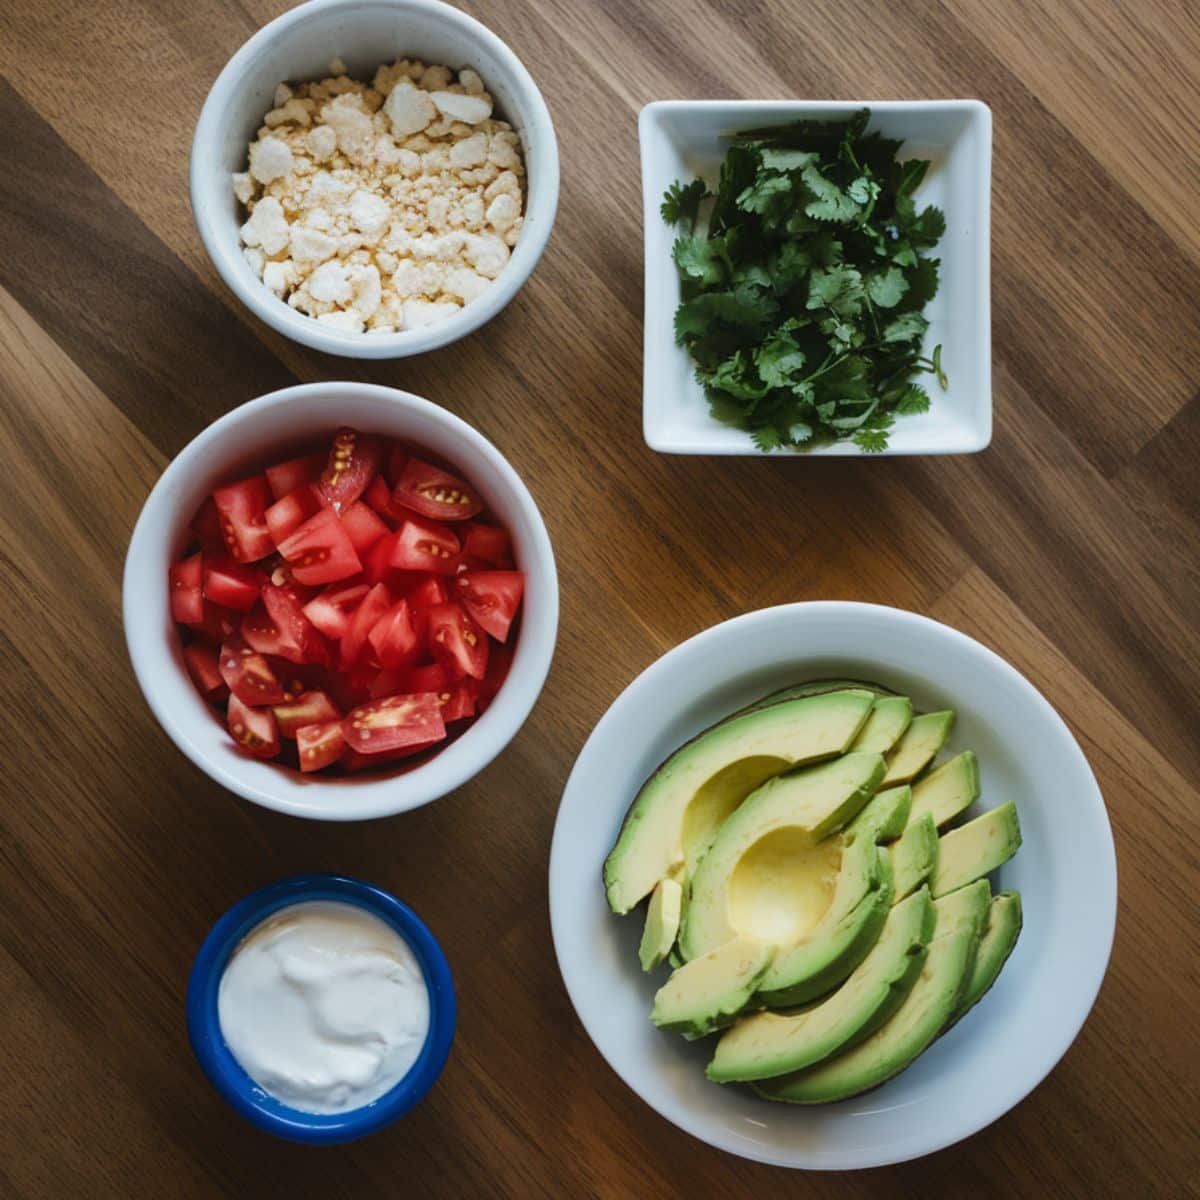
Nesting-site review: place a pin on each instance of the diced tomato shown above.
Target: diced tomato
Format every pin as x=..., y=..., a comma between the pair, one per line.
x=204, y=668
x=398, y=456
x=374, y=604
x=299, y=639
x=241, y=507
x=431, y=492
x=499, y=662
x=394, y=722
x=363, y=526
x=231, y=583
x=432, y=677
x=216, y=624
x=320, y=551
x=248, y=674
x=427, y=594
x=309, y=708
x=491, y=597
x=425, y=546
x=393, y=638
x=330, y=612
x=206, y=525
x=386, y=681
x=184, y=584
x=285, y=477
x=489, y=543
x=285, y=516
x=377, y=562
x=458, y=700
x=253, y=729
x=457, y=642
x=320, y=745
x=354, y=459
x=379, y=496
x=353, y=762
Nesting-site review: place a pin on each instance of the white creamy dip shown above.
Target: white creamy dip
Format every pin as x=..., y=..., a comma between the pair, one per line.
x=324, y=1006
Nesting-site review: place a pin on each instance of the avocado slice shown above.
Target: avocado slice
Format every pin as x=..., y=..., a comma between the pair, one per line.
x=681, y=806
x=916, y=749
x=816, y=687
x=999, y=938
x=884, y=819
x=772, y=871
x=914, y=856
x=708, y=992
x=768, y=1044
x=972, y=850
x=890, y=717
x=949, y=790
x=913, y=1026
x=662, y=923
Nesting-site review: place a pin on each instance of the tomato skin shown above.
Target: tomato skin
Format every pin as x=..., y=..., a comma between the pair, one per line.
x=320, y=745
x=354, y=762
x=488, y=543
x=431, y=492
x=492, y=598
x=309, y=708
x=230, y=583
x=373, y=605
x=499, y=662
x=248, y=674
x=432, y=677
x=241, y=507
x=206, y=525
x=393, y=637
x=457, y=642
x=427, y=594
x=286, y=515
x=204, y=668
x=425, y=546
x=320, y=551
x=330, y=612
x=363, y=526
x=285, y=477
x=398, y=457
x=299, y=640
x=393, y=723
x=184, y=584
x=354, y=459
x=378, y=496
x=458, y=700
x=254, y=729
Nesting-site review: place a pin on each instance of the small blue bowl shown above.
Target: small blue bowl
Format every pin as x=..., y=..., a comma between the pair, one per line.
x=223, y=1070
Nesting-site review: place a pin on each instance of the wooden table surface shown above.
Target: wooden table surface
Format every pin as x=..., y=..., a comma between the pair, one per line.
x=1070, y=547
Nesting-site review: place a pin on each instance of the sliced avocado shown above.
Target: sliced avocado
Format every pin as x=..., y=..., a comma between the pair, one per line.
x=662, y=923
x=818, y=687
x=681, y=806
x=965, y=908
x=916, y=749
x=768, y=1044
x=999, y=937
x=890, y=717
x=708, y=992
x=772, y=871
x=972, y=850
x=914, y=856
x=949, y=790
x=893, y=1046
x=884, y=819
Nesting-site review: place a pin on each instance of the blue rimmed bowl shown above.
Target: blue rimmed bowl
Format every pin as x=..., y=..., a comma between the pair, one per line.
x=246, y=1096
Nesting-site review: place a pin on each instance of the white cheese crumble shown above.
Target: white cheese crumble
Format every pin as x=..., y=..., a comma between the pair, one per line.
x=385, y=206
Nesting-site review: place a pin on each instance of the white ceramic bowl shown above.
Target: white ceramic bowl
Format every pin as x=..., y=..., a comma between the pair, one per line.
x=364, y=34
x=1065, y=872
x=683, y=138
x=241, y=441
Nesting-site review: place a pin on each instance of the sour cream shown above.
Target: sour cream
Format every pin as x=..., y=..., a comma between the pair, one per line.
x=324, y=1006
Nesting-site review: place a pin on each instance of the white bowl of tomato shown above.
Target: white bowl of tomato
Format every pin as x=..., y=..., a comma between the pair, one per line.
x=340, y=601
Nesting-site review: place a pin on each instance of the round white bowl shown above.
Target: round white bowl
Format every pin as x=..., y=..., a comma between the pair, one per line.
x=1065, y=872
x=364, y=34
x=241, y=441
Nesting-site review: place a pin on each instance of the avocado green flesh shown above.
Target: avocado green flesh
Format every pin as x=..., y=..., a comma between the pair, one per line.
x=890, y=717
x=918, y=746
x=662, y=923
x=918, y=1020
x=914, y=856
x=768, y=1044
x=708, y=992
x=976, y=848
x=999, y=938
x=948, y=791
x=884, y=819
x=815, y=687
x=679, y=810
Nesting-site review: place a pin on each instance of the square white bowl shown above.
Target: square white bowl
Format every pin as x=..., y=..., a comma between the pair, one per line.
x=684, y=138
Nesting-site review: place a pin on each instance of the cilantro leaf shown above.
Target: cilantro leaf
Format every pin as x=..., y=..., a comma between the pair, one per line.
x=697, y=258
x=838, y=288
x=682, y=202
x=886, y=287
x=829, y=202
x=767, y=438
x=907, y=327
x=745, y=307
x=913, y=400
x=872, y=441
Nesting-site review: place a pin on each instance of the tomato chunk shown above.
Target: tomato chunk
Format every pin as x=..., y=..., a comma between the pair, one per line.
x=204, y=668
x=379, y=496
x=285, y=477
x=457, y=642
x=491, y=597
x=231, y=583
x=309, y=708
x=393, y=637
x=354, y=459
x=374, y=604
x=499, y=662
x=320, y=745
x=489, y=543
x=184, y=582
x=299, y=640
x=431, y=492
x=398, y=457
x=253, y=729
x=216, y=624
x=425, y=546
x=206, y=525
x=248, y=674
x=432, y=677
x=285, y=516
x=458, y=700
x=330, y=612
x=320, y=551
x=393, y=723
x=363, y=526
x=241, y=507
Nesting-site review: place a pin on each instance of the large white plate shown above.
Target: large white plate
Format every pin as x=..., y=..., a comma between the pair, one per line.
x=1065, y=871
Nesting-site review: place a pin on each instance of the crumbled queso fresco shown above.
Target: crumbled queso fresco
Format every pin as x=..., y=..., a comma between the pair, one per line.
x=382, y=207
